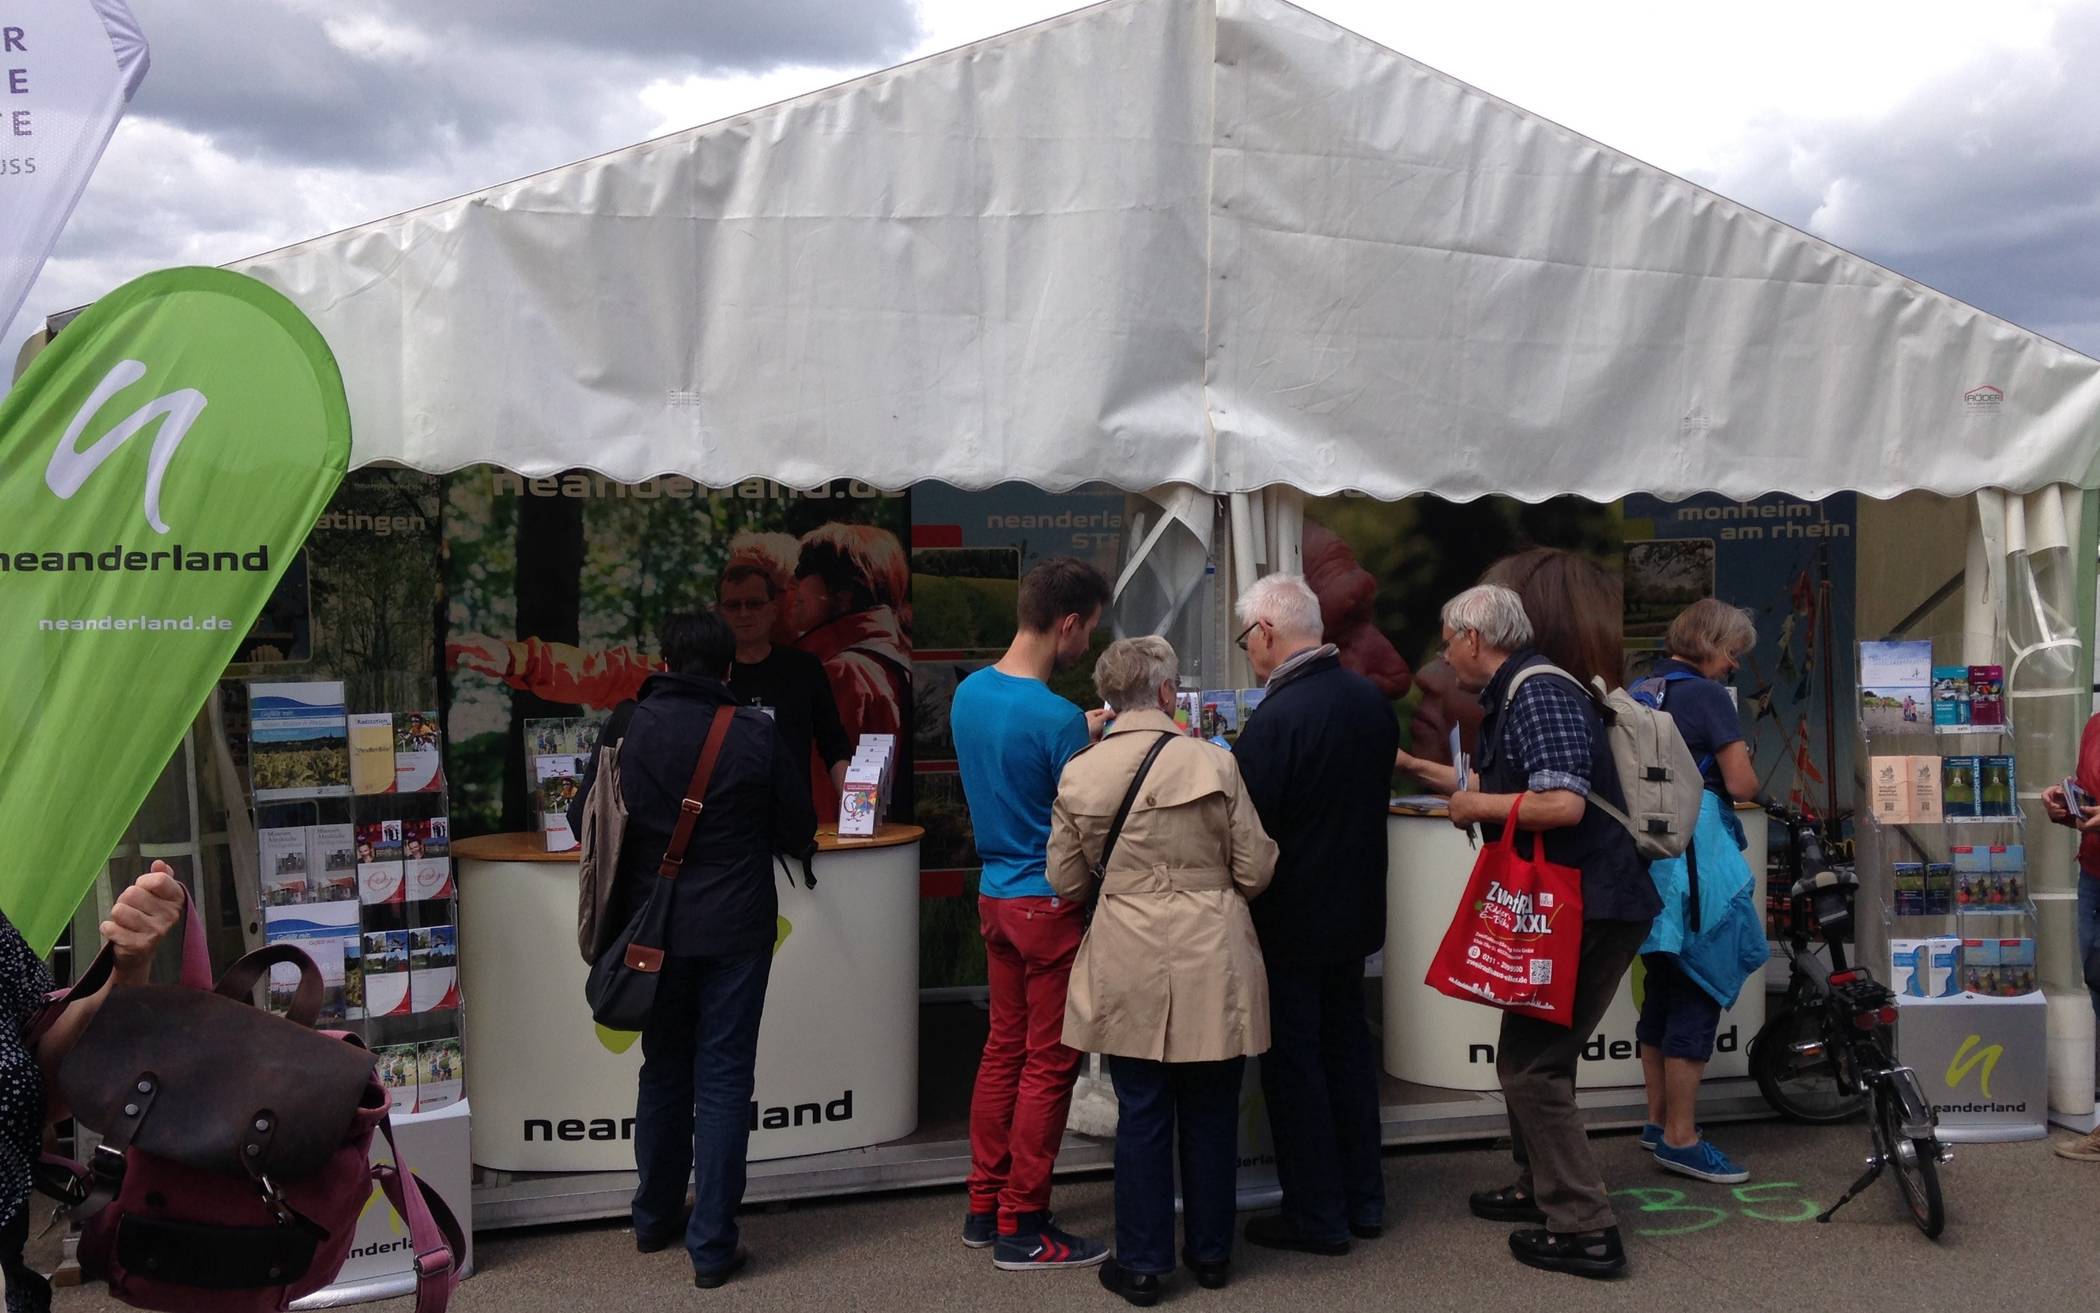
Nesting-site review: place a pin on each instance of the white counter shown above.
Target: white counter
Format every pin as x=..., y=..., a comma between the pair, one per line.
x=1431, y=1039
x=838, y=1050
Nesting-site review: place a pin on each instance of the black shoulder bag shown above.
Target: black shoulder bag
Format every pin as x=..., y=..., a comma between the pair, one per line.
x=1115, y=827
x=622, y=985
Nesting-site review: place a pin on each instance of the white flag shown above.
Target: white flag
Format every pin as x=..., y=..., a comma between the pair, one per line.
x=67, y=69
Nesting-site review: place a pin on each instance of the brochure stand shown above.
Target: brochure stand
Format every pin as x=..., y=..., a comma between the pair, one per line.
x=1944, y=905
x=353, y=843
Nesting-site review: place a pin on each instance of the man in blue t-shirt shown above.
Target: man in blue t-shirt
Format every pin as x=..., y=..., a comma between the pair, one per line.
x=1013, y=737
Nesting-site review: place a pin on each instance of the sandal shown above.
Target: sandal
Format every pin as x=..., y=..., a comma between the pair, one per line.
x=1509, y=1204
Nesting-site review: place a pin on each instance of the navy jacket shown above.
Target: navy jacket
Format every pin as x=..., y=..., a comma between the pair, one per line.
x=1615, y=883
x=1317, y=756
x=724, y=901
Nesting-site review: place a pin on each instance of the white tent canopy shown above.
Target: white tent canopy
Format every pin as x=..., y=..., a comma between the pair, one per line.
x=1226, y=245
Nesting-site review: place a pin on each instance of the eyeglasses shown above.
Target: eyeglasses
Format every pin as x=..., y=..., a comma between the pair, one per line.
x=743, y=604
x=1443, y=649
x=1241, y=641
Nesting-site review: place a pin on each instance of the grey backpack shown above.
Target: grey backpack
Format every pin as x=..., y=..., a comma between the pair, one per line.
x=1657, y=772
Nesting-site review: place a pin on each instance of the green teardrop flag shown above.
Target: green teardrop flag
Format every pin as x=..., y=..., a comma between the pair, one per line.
x=160, y=464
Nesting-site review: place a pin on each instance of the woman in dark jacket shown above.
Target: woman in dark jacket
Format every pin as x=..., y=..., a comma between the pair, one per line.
x=700, y=1046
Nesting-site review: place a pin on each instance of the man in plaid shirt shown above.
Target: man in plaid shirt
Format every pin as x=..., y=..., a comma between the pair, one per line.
x=1546, y=747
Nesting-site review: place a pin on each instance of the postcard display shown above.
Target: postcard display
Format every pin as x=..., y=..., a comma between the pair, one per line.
x=354, y=846
x=1941, y=851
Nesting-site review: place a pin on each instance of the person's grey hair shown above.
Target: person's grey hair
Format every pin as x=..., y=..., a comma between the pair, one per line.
x=1491, y=611
x=1129, y=673
x=1286, y=601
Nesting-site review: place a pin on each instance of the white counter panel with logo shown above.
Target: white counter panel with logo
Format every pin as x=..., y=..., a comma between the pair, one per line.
x=1434, y=1040
x=838, y=1050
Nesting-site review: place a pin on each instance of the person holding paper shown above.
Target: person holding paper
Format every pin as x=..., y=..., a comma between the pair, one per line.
x=1013, y=737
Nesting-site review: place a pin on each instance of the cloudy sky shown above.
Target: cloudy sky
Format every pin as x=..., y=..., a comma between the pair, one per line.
x=1958, y=143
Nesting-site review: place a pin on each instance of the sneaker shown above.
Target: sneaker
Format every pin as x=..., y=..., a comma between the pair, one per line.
x=1590, y=1254
x=1702, y=1162
x=1039, y=1245
x=980, y=1229
x=2084, y=1149
x=1652, y=1135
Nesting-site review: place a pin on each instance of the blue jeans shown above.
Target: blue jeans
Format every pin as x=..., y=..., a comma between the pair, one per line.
x=1162, y=1106
x=693, y=1111
x=2088, y=925
x=1321, y=1081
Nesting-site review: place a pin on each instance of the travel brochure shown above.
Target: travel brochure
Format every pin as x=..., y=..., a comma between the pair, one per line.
x=1217, y=714
x=422, y=1077
x=299, y=741
x=558, y=752
x=1901, y=691
x=869, y=781
x=380, y=876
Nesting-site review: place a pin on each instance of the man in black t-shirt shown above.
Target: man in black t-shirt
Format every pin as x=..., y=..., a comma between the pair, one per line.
x=787, y=684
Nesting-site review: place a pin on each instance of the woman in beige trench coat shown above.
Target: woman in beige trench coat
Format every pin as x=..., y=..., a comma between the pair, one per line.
x=1169, y=980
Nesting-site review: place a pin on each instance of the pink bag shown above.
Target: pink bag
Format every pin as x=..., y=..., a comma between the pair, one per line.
x=237, y=1145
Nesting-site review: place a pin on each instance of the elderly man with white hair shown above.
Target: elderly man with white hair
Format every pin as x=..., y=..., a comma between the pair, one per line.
x=1542, y=756
x=1318, y=760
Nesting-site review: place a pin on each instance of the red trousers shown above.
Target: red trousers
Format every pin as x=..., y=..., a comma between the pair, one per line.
x=1024, y=1082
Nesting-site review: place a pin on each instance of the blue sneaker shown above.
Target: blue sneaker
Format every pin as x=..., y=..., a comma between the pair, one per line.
x=980, y=1229
x=1652, y=1135
x=1701, y=1162
x=1037, y=1245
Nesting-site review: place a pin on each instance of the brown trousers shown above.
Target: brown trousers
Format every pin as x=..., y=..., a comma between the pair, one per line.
x=1536, y=1061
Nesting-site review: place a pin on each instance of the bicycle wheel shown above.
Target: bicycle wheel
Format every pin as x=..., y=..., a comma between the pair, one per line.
x=1802, y=1088
x=1915, y=1163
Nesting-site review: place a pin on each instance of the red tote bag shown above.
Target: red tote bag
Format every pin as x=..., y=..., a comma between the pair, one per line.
x=1517, y=935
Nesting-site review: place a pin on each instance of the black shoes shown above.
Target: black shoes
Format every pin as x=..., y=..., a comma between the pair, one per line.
x=713, y=1277
x=1139, y=1288
x=651, y=1244
x=1210, y=1276
x=1586, y=1254
x=1506, y=1205
x=1274, y=1232
x=1366, y=1230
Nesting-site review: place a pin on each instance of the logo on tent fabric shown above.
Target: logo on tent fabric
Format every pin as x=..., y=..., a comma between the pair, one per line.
x=71, y=467
x=1965, y=1062
x=1984, y=400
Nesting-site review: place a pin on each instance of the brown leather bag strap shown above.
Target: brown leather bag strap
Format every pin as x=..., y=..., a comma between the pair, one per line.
x=696, y=794
x=241, y=978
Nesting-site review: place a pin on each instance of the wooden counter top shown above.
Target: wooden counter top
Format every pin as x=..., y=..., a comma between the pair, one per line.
x=531, y=846
x=1438, y=812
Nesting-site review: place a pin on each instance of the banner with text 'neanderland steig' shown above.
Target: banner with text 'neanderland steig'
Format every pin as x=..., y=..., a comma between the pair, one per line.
x=160, y=464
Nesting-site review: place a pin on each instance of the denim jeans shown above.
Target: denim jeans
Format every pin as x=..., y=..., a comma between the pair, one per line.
x=1321, y=1081
x=2088, y=925
x=1162, y=1107
x=693, y=1111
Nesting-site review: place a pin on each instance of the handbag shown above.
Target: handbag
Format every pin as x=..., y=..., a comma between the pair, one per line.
x=236, y=1155
x=598, y=862
x=621, y=989
x=1517, y=936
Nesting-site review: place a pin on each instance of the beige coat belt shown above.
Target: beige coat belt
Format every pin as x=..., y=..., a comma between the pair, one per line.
x=1170, y=879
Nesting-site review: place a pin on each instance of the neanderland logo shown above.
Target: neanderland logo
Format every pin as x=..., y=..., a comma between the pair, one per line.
x=1966, y=1061
x=1984, y=400
x=71, y=467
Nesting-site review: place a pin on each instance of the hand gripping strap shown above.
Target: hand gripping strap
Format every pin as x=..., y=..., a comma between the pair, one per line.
x=696, y=794
x=433, y=1232
x=196, y=972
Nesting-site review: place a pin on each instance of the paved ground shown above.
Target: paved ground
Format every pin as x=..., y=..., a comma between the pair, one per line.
x=2021, y=1235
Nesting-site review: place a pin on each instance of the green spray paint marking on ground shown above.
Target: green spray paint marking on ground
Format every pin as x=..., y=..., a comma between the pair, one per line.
x=1763, y=1202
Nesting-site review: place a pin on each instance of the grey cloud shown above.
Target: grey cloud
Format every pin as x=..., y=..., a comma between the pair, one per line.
x=263, y=77
x=716, y=35
x=1985, y=186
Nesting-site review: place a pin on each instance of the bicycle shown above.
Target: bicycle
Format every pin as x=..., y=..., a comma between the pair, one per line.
x=1824, y=1055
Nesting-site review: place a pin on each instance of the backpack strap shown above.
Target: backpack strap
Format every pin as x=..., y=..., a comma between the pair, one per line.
x=1510, y=696
x=434, y=1234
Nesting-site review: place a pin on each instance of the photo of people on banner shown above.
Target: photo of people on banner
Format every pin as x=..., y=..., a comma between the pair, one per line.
x=557, y=587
